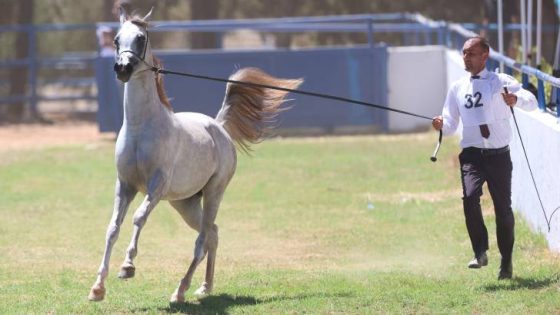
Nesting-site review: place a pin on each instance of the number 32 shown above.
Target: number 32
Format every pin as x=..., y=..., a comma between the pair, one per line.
x=477, y=96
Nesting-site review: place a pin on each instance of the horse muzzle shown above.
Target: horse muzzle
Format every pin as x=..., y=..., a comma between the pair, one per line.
x=123, y=71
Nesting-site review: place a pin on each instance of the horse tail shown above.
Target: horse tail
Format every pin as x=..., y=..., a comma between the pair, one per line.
x=248, y=112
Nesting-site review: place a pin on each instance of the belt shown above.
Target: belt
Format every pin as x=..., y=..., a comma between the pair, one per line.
x=487, y=152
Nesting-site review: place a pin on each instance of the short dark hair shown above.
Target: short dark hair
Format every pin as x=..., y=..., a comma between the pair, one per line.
x=483, y=42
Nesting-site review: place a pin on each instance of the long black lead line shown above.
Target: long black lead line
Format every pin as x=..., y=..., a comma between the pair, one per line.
x=433, y=158
x=320, y=95
x=266, y=86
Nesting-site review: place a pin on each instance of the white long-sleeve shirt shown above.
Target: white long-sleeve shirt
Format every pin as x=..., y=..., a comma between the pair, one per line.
x=479, y=101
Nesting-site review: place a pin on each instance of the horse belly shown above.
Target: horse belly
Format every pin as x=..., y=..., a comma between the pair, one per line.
x=191, y=173
x=186, y=184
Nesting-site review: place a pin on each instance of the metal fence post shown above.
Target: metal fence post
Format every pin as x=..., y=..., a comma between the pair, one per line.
x=442, y=36
x=371, y=40
x=557, y=101
x=32, y=68
x=540, y=92
x=525, y=80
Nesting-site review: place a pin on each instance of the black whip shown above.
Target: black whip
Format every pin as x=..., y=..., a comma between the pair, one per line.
x=548, y=220
x=433, y=158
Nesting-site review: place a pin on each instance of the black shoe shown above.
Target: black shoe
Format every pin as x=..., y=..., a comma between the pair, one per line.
x=480, y=261
x=506, y=271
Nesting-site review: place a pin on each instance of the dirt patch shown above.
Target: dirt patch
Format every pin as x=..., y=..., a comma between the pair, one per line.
x=36, y=136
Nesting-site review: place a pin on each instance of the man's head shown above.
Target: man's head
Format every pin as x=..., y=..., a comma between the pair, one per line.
x=475, y=53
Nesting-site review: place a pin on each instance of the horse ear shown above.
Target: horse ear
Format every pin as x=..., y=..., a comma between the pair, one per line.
x=123, y=15
x=148, y=16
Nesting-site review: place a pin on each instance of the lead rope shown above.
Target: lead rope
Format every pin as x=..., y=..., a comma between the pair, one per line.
x=433, y=158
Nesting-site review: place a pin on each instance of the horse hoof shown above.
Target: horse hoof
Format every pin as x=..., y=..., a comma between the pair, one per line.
x=127, y=272
x=97, y=293
x=203, y=291
x=177, y=299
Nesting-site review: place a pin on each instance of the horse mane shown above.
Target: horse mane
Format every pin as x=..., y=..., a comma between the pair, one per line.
x=137, y=20
x=159, y=85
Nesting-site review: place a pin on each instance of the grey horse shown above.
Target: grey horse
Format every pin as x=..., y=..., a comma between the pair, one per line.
x=187, y=159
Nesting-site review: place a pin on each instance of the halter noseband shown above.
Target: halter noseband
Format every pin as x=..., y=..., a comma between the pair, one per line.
x=152, y=67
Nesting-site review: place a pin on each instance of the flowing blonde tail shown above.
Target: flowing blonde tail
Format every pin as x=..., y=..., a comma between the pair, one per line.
x=248, y=112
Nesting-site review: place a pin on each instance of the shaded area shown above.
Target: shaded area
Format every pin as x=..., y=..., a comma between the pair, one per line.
x=220, y=304
x=523, y=283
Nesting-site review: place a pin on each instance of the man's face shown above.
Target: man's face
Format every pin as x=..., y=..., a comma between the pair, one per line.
x=474, y=56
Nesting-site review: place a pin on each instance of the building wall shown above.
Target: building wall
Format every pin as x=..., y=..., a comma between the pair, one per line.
x=541, y=136
x=417, y=82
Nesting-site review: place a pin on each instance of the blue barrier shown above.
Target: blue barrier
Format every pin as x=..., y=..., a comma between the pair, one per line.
x=358, y=73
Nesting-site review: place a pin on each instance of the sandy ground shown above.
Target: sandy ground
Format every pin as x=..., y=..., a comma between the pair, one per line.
x=36, y=136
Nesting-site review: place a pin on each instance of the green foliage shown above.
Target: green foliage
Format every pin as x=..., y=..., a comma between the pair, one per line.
x=345, y=225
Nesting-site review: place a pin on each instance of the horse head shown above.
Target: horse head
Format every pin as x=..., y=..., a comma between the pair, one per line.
x=132, y=44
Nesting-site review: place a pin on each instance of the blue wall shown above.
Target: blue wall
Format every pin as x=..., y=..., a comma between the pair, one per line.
x=357, y=73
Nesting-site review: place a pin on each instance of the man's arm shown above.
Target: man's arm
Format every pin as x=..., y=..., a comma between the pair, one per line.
x=517, y=95
x=449, y=120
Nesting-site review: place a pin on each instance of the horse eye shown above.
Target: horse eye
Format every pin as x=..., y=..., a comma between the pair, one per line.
x=116, y=43
x=140, y=41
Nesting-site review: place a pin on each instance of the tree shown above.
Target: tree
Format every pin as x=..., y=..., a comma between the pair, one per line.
x=16, y=111
x=204, y=10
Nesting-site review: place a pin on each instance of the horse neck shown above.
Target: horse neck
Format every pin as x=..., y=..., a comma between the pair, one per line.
x=141, y=101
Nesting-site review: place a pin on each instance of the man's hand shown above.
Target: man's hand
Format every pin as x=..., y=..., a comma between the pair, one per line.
x=437, y=122
x=510, y=99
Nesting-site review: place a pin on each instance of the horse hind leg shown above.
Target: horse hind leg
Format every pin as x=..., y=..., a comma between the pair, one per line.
x=206, y=242
x=211, y=247
x=190, y=210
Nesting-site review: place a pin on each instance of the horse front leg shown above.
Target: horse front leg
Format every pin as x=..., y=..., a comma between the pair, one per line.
x=124, y=194
x=155, y=189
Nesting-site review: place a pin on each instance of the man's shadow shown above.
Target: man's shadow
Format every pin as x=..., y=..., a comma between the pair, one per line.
x=523, y=283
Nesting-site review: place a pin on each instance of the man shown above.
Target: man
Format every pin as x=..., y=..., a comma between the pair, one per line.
x=480, y=101
x=105, y=41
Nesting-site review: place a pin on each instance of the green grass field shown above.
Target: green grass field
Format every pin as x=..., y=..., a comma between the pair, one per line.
x=296, y=236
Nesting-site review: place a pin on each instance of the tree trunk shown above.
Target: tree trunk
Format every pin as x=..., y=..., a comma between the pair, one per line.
x=204, y=10
x=15, y=111
x=109, y=13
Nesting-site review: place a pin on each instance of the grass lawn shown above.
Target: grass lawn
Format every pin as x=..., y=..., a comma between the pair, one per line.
x=344, y=225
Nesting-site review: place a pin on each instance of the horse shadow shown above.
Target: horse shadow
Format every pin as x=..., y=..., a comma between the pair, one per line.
x=220, y=304
x=523, y=283
x=213, y=304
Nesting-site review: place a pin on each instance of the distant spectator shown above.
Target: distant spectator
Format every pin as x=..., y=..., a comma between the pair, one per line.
x=105, y=41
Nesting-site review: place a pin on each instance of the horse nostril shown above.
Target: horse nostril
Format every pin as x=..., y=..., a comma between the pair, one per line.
x=128, y=68
x=120, y=68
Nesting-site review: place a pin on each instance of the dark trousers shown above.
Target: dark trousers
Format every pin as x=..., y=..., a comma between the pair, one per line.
x=478, y=167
